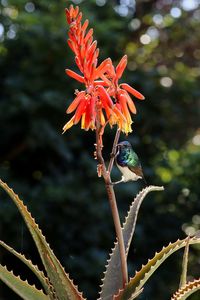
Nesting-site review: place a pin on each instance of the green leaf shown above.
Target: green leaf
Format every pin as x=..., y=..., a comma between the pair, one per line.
x=40, y=275
x=135, y=295
x=188, y=289
x=137, y=282
x=183, y=279
x=112, y=280
x=20, y=287
x=63, y=285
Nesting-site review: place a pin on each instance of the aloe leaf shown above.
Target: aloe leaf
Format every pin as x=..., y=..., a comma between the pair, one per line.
x=63, y=285
x=40, y=275
x=20, y=287
x=137, y=282
x=183, y=279
x=188, y=289
x=135, y=295
x=112, y=281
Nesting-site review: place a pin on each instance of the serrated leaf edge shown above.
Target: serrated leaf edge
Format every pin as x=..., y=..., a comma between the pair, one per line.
x=34, y=268
x=25, y=282
x=185, y=291
x=138, y=198
x=143, y=193
x=136, y=283
x=20, y=205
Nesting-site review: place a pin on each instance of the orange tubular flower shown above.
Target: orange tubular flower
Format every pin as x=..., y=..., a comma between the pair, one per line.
x=103, y=100
x=91, y=103
x=121, y=92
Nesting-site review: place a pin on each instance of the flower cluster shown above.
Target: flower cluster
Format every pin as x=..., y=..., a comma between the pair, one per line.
x=104, y=100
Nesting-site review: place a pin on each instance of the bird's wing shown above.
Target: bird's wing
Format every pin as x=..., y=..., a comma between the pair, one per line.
x=137, y=170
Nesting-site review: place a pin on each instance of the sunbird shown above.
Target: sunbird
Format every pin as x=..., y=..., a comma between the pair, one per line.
x=128, y=163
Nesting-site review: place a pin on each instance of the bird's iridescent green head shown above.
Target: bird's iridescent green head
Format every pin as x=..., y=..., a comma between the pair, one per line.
x=124, y=147
x=126, y=155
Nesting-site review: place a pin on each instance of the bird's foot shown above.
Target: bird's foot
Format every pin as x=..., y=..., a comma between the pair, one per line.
x=116, y=182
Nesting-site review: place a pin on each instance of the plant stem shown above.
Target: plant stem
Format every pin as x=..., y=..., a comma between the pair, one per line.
x=112, y=200
x=118, y=229
x=117, y=135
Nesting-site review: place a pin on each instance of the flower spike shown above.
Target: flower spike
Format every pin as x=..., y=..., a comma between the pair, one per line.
x=103, y=101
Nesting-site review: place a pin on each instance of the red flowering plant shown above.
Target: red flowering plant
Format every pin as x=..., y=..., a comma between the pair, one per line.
x=103, y=101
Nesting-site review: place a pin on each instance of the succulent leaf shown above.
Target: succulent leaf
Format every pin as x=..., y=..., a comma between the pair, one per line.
x=188, y=289
x=63, y=285
x=183, y=279
x=20, y=287
x=112, y=280
x=40, y=275
x=137, y=282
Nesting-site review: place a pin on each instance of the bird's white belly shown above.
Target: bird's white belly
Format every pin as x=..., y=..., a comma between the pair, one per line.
x=128, y=175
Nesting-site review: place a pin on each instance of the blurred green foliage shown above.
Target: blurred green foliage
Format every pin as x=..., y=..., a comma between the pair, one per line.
x=55, y=174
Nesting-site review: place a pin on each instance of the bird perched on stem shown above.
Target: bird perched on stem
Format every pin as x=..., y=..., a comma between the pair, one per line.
x=128, y=163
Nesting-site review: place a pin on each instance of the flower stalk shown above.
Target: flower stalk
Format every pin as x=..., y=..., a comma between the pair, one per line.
x=112, y=199
x=103, y=101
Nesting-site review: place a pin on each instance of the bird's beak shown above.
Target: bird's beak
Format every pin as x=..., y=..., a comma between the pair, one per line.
x=118, y=146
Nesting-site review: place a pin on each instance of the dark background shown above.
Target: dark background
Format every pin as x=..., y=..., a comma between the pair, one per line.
x=55, y=174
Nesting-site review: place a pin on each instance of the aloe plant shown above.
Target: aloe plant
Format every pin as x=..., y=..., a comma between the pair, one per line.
x=103, y=102
x=57, y=284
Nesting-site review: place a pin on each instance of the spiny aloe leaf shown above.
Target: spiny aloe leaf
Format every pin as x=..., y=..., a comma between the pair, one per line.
x=40, y=275
x=112, y=280
x=20, y=287
x=63, y=286
x=141, y=277
x=183, y=279
x=135, y=295
x=188, y=289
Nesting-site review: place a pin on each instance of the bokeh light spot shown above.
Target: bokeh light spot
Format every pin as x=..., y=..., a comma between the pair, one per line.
x=162, y=69
x=175, y=12
x=164, y=174
x=153, y=32
x=122, y=10
x=29, y=7
x=158, y=19
x=189, y=230
x=188, y=5
x=100, y=2
x=11, y=12
x=11, y=34
x=196, y=140
x=196, y=219
x=1, y=30
x=186, y=192
x=166, y=82
x=173, y=155
x=135, y=24
x=145, y=39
